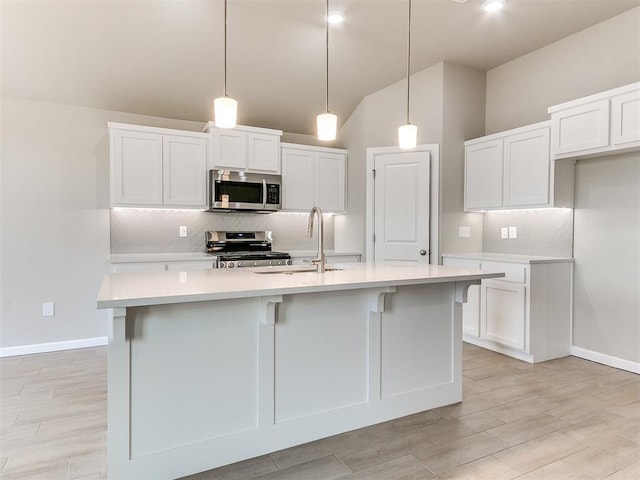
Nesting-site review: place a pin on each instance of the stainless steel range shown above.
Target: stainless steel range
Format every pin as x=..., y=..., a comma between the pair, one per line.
x=244, y=249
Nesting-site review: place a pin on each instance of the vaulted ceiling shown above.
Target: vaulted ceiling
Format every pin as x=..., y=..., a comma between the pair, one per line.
x=165, y=57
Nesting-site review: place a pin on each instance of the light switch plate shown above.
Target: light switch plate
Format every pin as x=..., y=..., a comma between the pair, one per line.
x=464, y=232
x=504, y=232
x=513, y=232
x=183, y=231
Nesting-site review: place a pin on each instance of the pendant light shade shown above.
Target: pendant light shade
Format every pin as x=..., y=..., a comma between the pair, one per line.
x=408, y=134
x=327, y=126
x=327, y=122
x=225, y=108
x=225, y=112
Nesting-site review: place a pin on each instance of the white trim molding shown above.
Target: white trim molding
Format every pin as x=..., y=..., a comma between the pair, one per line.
x=605, y=359
x=52, y=347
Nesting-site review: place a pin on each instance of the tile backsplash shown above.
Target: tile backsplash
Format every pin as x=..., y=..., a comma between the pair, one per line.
x=545, y=232
x=138, y=230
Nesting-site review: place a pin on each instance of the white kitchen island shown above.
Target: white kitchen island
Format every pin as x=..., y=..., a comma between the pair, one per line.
x=210, y=367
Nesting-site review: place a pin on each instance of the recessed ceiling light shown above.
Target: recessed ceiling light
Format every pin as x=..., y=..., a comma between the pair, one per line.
x=335, y=17
x=493, y=5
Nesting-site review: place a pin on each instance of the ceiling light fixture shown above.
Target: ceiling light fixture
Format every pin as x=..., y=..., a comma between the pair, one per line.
x=493, y=5
x=327, y=122
x=407, y=134
x=225, y=108
x=335, y=18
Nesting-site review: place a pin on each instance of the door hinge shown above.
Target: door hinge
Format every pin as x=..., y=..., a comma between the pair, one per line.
x=374, y=173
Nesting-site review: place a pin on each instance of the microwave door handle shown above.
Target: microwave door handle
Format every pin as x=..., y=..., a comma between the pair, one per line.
x=264, y=194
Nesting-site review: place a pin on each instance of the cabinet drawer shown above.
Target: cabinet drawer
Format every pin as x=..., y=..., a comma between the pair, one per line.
x=513, y=272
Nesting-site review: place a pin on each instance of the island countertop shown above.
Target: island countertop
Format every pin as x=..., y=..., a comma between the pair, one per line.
x=140, y=289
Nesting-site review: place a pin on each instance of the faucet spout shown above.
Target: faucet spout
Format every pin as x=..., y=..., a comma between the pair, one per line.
x=320, y=260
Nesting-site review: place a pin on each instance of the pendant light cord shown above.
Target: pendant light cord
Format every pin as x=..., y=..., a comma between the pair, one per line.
x=408, y=60
x=326, y=21
x=225, y=49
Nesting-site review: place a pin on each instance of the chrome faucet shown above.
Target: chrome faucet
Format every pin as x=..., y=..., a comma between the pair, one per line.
x=320, y=262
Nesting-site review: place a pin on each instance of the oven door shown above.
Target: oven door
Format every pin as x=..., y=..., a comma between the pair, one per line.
x=233, y=191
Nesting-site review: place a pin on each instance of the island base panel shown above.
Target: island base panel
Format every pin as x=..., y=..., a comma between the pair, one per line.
x=193, y=386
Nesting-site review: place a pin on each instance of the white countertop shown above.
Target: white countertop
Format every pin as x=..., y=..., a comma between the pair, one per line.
x=137, y=289
x=504, y=257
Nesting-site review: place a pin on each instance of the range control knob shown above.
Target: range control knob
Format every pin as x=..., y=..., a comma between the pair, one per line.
x=222, y=265
x=255, y=264
x=240, y=264
x=270, y=263
x=230, y=264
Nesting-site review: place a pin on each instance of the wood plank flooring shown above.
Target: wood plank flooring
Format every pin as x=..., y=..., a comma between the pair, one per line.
x=560, y=420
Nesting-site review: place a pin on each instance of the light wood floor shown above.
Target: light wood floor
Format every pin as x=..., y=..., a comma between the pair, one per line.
x=560, y=420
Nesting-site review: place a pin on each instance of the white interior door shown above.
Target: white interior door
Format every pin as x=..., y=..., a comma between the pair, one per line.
x=401, y=205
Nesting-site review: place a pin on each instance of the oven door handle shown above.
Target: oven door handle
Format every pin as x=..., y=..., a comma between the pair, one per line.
x=264, y=194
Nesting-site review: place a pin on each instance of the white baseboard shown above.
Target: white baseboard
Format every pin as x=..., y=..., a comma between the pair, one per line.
x=52, y=347
x=606, y=359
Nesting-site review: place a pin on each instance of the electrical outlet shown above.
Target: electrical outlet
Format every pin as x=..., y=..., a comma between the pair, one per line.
x=183, y=231
x=504, y=232
x=513, y=232
x=48, y=309
x=464, y=232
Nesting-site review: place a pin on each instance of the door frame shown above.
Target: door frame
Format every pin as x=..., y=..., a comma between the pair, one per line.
x=434, y=198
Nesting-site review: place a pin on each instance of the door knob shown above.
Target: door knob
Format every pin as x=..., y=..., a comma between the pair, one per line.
x=423, y=252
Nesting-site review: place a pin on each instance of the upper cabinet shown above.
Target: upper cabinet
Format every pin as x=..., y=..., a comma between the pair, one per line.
x=513, y=169
x=157, y=167
x=313, y=176
x=243, y=148
x=601, y=124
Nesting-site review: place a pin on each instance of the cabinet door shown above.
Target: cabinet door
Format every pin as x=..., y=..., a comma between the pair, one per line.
x=527, y=163
x=263, y=152
x=483, y=175
x=330, y=181
x=502, y=313
x=184, y=171
x=137, y=169
x=470, y=309
x=229, y=149
x=625, y=118
x=298, y=179
x=580, y=128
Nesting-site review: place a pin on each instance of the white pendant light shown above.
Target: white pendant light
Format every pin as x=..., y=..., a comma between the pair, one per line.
x=407, y=134
x=327, y=122
x=225, y=108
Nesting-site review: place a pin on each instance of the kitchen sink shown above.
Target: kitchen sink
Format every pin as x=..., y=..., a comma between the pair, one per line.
x=291, y=269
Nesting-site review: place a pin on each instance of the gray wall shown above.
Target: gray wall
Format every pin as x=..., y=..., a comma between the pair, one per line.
x=447, y=106
x=599, y=58
x=607, y=253
x=55, y=218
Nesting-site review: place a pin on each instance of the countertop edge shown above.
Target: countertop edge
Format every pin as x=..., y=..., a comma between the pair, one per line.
x=508, y=258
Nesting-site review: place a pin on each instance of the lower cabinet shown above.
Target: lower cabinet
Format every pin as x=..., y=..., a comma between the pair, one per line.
x=526, y=314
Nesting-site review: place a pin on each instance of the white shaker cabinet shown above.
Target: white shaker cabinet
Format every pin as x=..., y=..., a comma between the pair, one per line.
x=527, y=313
x=244, y=148
x=602, y=124
x=157, y=167
x=513, y=169
x=313, y=176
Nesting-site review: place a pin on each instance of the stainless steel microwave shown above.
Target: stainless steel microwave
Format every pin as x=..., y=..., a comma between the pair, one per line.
x=235, y=191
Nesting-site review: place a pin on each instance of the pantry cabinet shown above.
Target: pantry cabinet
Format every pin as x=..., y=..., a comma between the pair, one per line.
x=600, y=124
x=513, y=169
x=525, y=314
x=157, y=167
x=244, y=148
x=313, y=176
